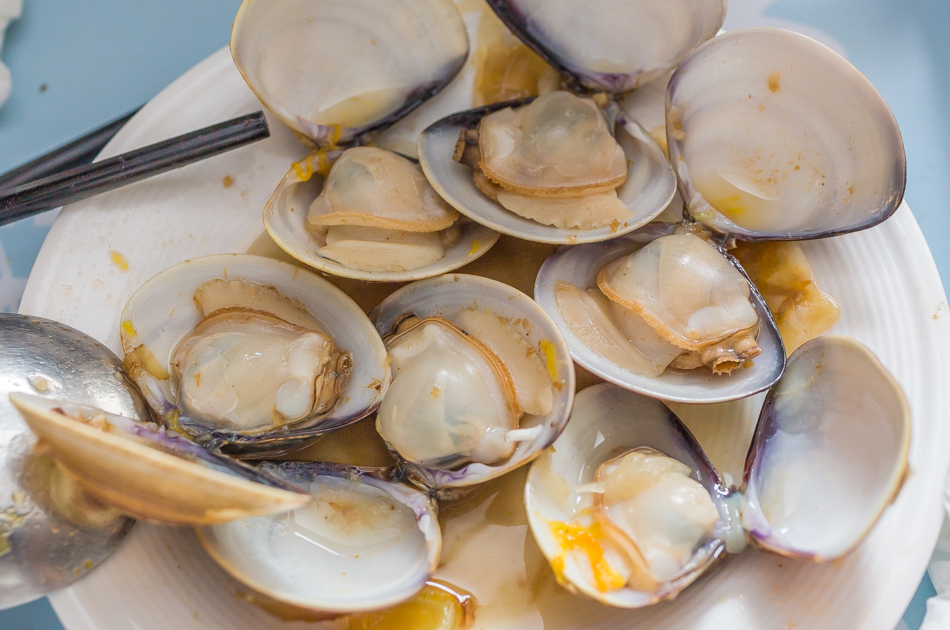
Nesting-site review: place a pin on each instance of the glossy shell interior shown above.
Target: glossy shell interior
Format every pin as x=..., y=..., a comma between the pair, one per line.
x=363, y=543
x=789, y=139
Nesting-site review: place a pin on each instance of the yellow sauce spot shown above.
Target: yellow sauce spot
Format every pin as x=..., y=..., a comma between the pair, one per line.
x=303, y=168
x=228, y=181
x=550, y=358
x=572, y=537
x=775, y=83
x=730, y=206
x=614, y=225
x=141, y=360
x=572, y=239
x=474, y=249
x=129, y=329
x=119, y=260
x=335, y=132
x=436, y=390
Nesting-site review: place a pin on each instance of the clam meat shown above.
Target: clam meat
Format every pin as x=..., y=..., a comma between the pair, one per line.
x=256, y=360
x=554, y=161
x=243, y=349
x=459, y=389
x=377, y=212
x=676, y=302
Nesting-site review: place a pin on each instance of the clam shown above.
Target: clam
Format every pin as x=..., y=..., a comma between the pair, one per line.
x=373, y=217
x=335, y=71
x=362, y=543
x=548, y=170
x=776, y=137
x=611, y=45
x=251, y=354
x=661, y=311
x=147, y=472
x=629, y=511
x=482, y=380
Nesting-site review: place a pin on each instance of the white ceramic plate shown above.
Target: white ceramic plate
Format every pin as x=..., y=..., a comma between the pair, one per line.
x=98, y=252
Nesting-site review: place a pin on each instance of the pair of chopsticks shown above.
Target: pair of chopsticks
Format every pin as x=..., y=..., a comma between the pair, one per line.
x=66, y=175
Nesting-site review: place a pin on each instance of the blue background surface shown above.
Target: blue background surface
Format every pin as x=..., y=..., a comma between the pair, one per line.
x=76, y=65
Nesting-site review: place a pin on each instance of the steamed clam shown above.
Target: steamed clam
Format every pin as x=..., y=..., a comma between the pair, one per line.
x=552, y=170
x=634, y=528
x=481, y=380
x=664, y=313
x=372, y=217
x=553, y=160
x=251, y=353
x=776, y=137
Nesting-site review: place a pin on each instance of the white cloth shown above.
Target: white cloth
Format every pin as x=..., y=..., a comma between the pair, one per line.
x=9, y=11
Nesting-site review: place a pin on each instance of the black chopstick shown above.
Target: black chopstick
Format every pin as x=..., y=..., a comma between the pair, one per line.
x=78, y=152
x=85, y=181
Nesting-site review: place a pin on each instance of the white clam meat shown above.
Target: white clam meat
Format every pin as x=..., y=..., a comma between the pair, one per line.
x=553, y=161
x=657, y=353
x=362, y=543
x=251, y=353
x=552, y=170
x=774, y=136
x=377, y=212
x=691, y=295
x=479, y=382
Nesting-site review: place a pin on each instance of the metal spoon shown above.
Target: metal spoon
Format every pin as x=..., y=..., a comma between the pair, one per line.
x=51, y=533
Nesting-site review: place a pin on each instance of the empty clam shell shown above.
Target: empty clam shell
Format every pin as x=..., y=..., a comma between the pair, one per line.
x=581, y=265
x=649, y=187
x=164, y=311
x=829, y=451
x=776, y=137
x=149, y=473
x=447, y=297
x=285, y=218
x=612, y=45
x=362, y=543
x=337, y=70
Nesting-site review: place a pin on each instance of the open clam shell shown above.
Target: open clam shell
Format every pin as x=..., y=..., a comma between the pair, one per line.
x=829, y=451
x=363, y=543
x=580, y=266
x=149, y=473
x=163, y=311
x=606, y=422
x=337, y=70
x=829, y=454
x=776, y=137
x=649, y=188
x=285, y=218
x=612, y=45
x=447, y=296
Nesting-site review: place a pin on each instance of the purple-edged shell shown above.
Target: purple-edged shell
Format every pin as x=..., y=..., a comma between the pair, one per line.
x=612, y=45
x=829, y=454
x=149, y=473
x=776, y=137
x=337, y=70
